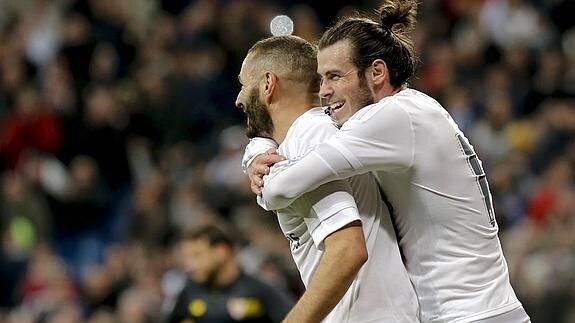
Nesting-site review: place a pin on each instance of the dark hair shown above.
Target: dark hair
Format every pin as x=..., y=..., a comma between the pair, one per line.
x=388, y=40
x=292, y=55
x=214, y=234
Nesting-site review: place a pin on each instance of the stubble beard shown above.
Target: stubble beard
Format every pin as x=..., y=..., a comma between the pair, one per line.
x=259, y=121
x=365, y=93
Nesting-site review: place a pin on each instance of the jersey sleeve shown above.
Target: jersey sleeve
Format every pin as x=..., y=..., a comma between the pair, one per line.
x=332, y=206
x=380, y=137
x=255, y=147
x=329, y=207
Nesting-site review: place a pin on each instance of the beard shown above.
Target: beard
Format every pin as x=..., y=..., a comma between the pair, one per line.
x=366, y=98
x=259, y=121
x=362, y=97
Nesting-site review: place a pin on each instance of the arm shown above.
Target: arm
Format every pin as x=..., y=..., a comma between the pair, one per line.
x=259, y=155
x=259, y=167
x=380, y=139
x=345, y=253
x=254, y=148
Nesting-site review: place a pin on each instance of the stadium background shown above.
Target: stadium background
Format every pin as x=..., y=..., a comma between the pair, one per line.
x=118, y=132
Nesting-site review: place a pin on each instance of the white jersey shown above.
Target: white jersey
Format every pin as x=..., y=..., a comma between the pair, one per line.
x=437, y=189
x=382, y=291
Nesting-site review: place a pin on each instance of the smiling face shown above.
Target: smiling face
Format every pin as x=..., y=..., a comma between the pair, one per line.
x=342, y=88
x=259, y=121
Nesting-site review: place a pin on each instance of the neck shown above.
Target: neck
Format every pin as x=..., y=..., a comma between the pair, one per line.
x=285, y=112
x=388, y=90
x=227, y=274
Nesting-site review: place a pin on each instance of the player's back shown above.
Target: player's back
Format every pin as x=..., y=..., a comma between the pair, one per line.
x=445, y=218
x=382, y=291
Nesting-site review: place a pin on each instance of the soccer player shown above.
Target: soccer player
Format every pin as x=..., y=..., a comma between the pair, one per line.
x=347, y=254
x=430, y=176
x=218, y=290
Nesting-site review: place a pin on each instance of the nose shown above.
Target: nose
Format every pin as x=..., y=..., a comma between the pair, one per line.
x=325, y=91
x=238, y=103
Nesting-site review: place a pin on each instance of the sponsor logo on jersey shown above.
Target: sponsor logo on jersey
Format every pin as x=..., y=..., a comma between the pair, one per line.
x=243, y=308
x=293, y=241
x=197, y=307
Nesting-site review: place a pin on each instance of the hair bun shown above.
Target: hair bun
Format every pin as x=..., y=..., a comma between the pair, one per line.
x=398, y=16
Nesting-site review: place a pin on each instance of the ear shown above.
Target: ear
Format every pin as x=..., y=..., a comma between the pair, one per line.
x=379, y=72
x=270, y=84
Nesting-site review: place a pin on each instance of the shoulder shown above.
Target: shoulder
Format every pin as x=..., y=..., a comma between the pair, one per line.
x=192, y=289
x=314, y=121
x=398, y=108
x=252, y=283
x=309, y=130
x=386, y=108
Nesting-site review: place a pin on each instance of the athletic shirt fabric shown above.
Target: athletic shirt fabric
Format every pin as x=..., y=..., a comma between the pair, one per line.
x=382, y=291
x=440, y=201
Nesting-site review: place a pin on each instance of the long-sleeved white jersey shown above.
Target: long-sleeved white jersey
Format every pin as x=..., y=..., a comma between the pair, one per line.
x=438, y=192
x=382, y=291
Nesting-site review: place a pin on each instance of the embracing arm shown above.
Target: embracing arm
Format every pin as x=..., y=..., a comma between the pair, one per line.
x=255, y=147
x=345, y=253
x=259, y=155
x=379, y=140
x=289, y=180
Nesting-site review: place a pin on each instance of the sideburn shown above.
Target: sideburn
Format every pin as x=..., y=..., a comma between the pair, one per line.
x=260, y=122
x=366, y=94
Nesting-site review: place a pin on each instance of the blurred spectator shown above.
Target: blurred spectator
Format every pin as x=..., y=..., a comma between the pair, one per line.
x=13, y=77
x=56, y=88
x=308, y=26
x=102, y=137
x=104, y=64
x=218, y=290
x=458, y=102
x=489, y=135
x=553, y=195
x=24, y=214
x=149, y=223
x=558, y=121
x=225, y=182
x=40, y=29
x=47, y=284
x=547, y=82
x=202, y=94
x=30, y=126
x=77, y=48
x=189, y=208
x=514, y=23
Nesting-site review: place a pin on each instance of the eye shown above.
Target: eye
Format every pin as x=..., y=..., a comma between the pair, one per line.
x=333, y=77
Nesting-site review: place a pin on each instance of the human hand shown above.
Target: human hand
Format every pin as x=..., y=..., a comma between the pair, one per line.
x=261, y=167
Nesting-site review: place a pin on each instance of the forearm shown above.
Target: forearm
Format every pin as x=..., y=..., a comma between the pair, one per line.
x=291, y=179
x=345, y=254
x=379, y=140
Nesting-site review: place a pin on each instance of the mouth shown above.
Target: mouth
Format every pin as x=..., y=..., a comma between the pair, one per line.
x=243, y=107
x=330, y=109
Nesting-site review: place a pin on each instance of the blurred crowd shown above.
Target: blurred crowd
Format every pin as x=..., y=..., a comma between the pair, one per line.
x=118, y=133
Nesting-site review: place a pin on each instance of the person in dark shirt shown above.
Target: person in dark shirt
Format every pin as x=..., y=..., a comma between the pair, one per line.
x=217, y=290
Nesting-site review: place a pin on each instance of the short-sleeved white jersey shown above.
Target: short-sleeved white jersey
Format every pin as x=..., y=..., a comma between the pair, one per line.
x=439, y=196
x=382, y=291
